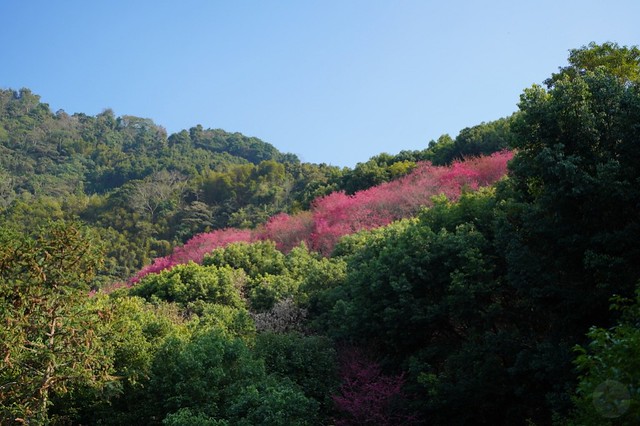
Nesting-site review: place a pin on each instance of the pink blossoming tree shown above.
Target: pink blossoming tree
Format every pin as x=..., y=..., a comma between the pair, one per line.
x=338, y=214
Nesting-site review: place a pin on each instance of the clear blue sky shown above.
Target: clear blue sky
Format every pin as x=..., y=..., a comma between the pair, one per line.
x=334, y=81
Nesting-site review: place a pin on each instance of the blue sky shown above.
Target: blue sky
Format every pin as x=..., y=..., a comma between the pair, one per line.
x=333, y=81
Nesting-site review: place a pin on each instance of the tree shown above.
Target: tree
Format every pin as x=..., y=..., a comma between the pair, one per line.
x=190, y=282
x=256, y=259
x=7, y=194
x=308, y=361
x=131, y=332
x=567, y=221
x=272, y=402
x=48, y=341
x=366, y=396
x=622, y=62
x=155, y=191
x=608, y=389
x=200, y=373
x=571, y=228
x=211, y=378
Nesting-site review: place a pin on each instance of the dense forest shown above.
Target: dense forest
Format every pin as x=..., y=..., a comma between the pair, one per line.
x=205, y=278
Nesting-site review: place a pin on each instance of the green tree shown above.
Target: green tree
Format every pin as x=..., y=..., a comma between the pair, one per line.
x=363, y=176
x=131, y=333
x=201, y=373
x=426, y=296
x=567, y=222
x=264, y=291
x=622, y=62
x=48, y=341
x=608, y=391
x=229, y=321
x=7, y=194
x=187, y=416
x=570, y=228
x=442, y=151
x=187, y=283
x=308, y=361
x=259, y=258
x=272, y=402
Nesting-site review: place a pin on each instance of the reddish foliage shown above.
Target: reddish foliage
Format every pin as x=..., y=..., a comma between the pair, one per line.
x=287, y=231
x=366, y=396
x=194, y=250
x=339, y=214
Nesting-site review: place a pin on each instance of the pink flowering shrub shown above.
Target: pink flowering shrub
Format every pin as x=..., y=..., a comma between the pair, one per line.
x=287, y=231
x=194, y=250
x=366, y=396
x=338, y=214
x=490, y=168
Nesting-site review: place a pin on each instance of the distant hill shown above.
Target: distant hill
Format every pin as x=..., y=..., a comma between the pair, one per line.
x=53, y=153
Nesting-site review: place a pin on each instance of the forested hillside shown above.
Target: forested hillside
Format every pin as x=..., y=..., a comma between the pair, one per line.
x=205, y=278
x=145, y=192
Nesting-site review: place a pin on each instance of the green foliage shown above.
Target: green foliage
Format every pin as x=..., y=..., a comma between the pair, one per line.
x=273, y=402
x=311, y=181
x=569, y=225
x=566, y=222
x=264, y=291
x=49, y=342
x=476, y=208
x=201, y=374
x=269, y=280
x=143, y=191
x=134, y=330
x=259, y=258
x=427, y=296
x=483, y=139
x=365, y=175
x=308, y=361
x=131, y=333
x=621, y=62
x=218, y=141
x=439, y=287
x=608, y=389
x=274, y=276
x=190, y=282
x=211, y=379
x=442, y=151
x=229, y=321
x=185, y=416
x=317, y=275
x=472, y=304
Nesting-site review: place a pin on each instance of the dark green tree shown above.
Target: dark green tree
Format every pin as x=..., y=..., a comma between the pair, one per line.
x=568, y=223
x=609, y=383
x=571, y=227
x=308, y=361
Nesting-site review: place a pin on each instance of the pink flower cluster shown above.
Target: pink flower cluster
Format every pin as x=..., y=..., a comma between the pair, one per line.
x=339, y=214
x=194, y=250
x=367, y=396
